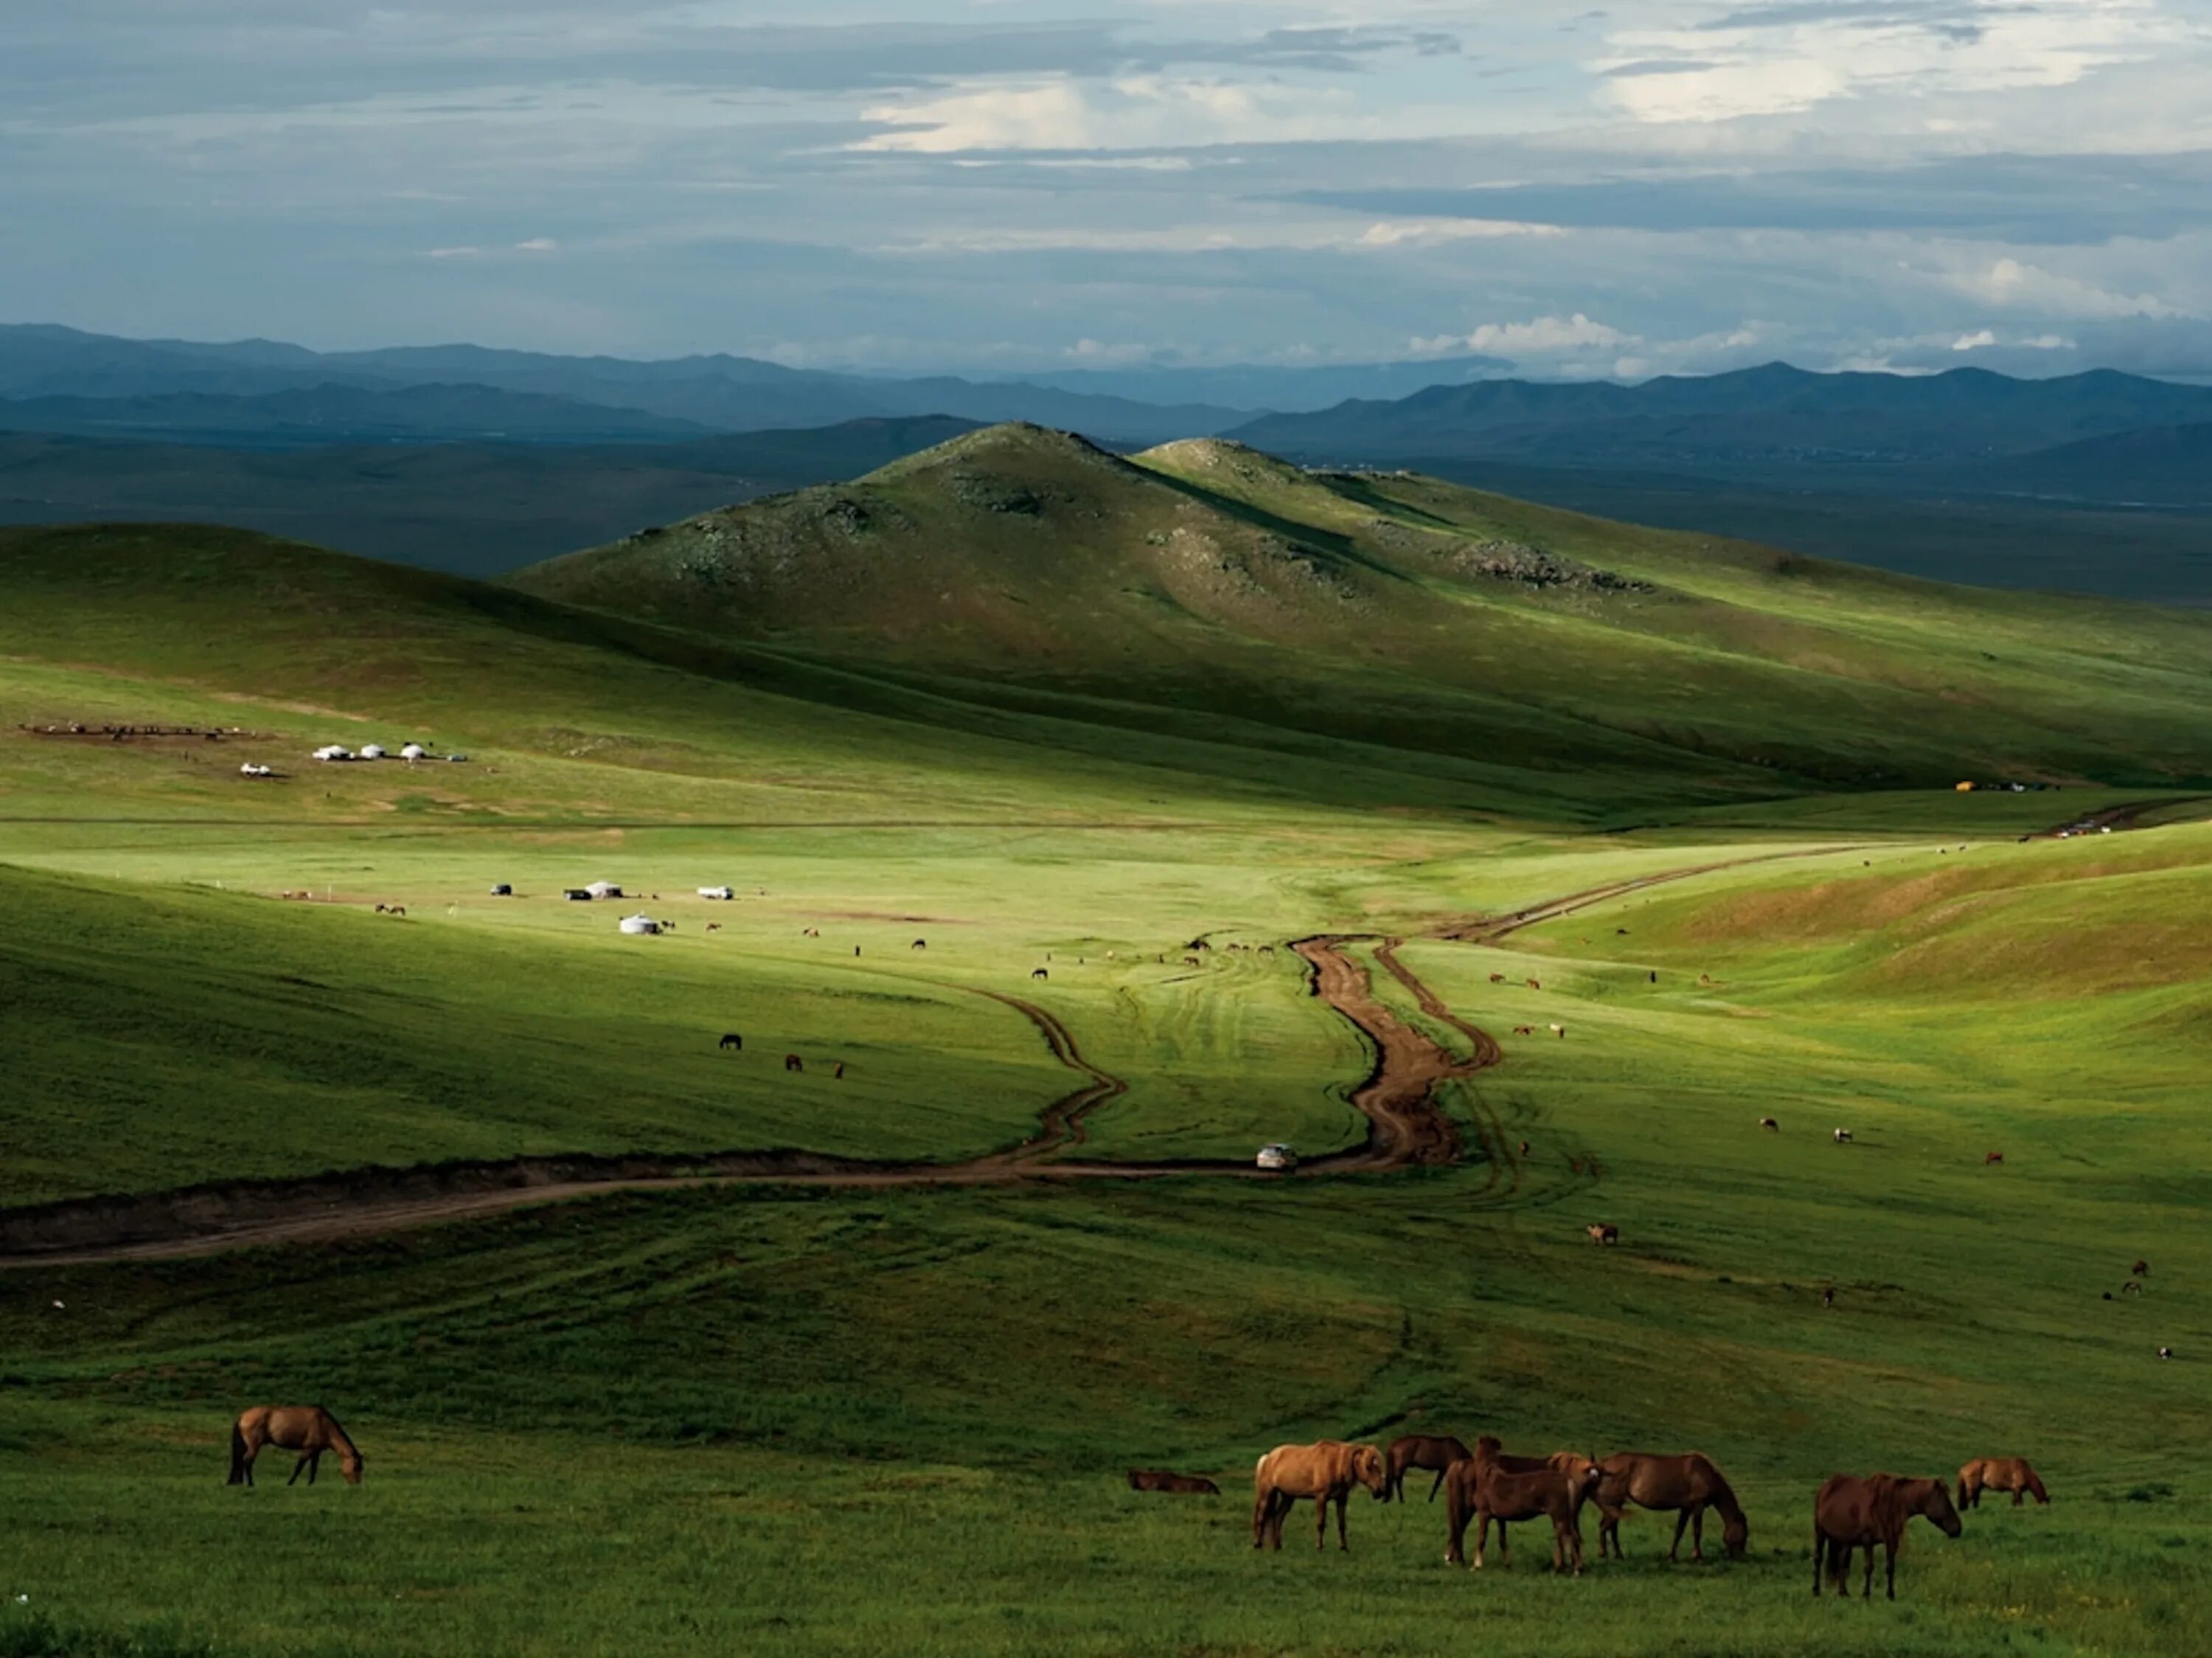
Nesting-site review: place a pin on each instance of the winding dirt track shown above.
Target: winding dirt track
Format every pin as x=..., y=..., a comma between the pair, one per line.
x=1398, y=1097
x=1405, y=1127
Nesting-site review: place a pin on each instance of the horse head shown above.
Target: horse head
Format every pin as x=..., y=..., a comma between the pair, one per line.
x=350, y=1467
x=1934, y=1504
x=1735, y=1535
x=1367, y=1468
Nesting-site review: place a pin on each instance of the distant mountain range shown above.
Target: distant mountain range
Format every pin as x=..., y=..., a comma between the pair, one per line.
x=1759, y=418
x=226, y=392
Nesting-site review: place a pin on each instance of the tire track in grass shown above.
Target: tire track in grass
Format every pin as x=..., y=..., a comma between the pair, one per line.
x=1405, y=1127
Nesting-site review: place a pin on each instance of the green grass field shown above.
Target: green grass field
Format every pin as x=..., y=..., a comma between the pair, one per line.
x=848, y=1420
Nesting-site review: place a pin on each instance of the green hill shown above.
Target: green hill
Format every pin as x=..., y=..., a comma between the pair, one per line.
x=1396, y=611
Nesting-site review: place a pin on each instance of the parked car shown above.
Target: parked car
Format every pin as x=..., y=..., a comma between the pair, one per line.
x=1276, y=1155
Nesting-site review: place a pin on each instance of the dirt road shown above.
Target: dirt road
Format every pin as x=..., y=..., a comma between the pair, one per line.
x=1405, y=1125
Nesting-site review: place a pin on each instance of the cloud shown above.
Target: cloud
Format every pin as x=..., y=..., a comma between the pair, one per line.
x=537, y=244
x=2008, y=283
x=455, y=253
x=1544, y=336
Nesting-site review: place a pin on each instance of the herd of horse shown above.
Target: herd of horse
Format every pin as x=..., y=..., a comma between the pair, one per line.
x=1486, y=1485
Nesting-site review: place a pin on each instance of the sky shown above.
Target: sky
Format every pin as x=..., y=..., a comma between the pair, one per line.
x=1640, y=187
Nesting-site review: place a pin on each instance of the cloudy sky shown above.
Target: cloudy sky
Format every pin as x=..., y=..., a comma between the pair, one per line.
x=1642, y=186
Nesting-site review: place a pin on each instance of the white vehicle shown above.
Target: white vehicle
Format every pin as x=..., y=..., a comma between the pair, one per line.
x=1276, y=1155
x=334, y=752
x=724, y=892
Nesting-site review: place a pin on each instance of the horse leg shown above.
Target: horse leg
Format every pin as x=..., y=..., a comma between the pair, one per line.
x=2018, y=1495
x=1681, y=1519
x=297, y=1469
x=1890, y=1550
x=314, y=1466
x=1263, y=1500
x=1866, y=1589
x=1343, y=1500
x=1698, y=1531
x=1482, y=1536
x=1441, y=1473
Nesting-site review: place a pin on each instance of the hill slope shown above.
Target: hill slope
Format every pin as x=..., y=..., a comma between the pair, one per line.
x=1398, y=610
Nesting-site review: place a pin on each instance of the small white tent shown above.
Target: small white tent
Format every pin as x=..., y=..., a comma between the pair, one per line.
x=604, y=889
x=639, y=923
x=333, y=751
x=374, y=750
x=413, y=751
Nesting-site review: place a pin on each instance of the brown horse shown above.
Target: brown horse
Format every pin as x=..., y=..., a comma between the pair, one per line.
x=1850, y=1513
x=792, y=1062
x=732, y=1040
x=1325, y=1470
x=1424, y=1451
x=1490, y=1485
x=1688, y=1484
x=307, y=1429
x=2000, y=1473
x=1159, y=1479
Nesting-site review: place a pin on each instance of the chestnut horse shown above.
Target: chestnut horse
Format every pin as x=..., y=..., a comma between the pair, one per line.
x=307, y=1429
x=2000, y=1473
x=1688, y=1484
x=1423, y=1451
x=1325, y=1470
x=1490, y=1486
x=1850, y=1513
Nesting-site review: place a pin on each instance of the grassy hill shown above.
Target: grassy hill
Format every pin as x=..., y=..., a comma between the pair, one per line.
x=1396, y=611
x=833, y=1420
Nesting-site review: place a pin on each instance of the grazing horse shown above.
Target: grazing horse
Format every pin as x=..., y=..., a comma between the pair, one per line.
x=1850, y=1513
x=1768, y=1121
x=307, y=1429
x=1159, y=1479
x=1843, y=1137
x=1491, y=1486
x=919, y=944
x=2000, y=1473
x=1688, y=1484
x=713, y=926
x=792, y=1062
x=1992, y=1157
x=837, y=1070
x=1560, y=1031
x=1039, y=972
x=1424, y=1451
x=732, y=1040
x=1524, y=1030
x=1534, y=985
x=1603, y=1233
x=1325, y=1470
x=1498, y=978
x=2140, y=1269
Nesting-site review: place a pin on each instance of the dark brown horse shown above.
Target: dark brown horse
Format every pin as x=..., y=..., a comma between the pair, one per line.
x=1159, y=1479
x=1850, y=1513
x=1688, y=1484
x=307, y=1429
x=1491, y=1486
x=2000, y=1473
x=733, y=1041
x=1424, y=1451
x=792, y=1062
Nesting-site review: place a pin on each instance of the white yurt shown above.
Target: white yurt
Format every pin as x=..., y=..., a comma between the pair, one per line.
x=718, y=891
x=639, y=923
x=604, y=889
x=374, y=750
x=333, y=751
x=413, y=751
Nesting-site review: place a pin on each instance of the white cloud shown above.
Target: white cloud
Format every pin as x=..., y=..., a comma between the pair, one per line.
x=1543, y=336
x=2010, y=282
x=1975, y=341
x=455, y=253
x=1419, y=232
x=537, y=244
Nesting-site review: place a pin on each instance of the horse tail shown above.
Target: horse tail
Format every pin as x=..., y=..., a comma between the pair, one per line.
x=237, y=1453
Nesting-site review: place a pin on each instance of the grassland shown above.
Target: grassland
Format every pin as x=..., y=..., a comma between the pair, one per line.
x=837, y=1421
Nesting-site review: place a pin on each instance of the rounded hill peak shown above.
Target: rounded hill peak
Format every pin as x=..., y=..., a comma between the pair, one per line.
x=1013, y=442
